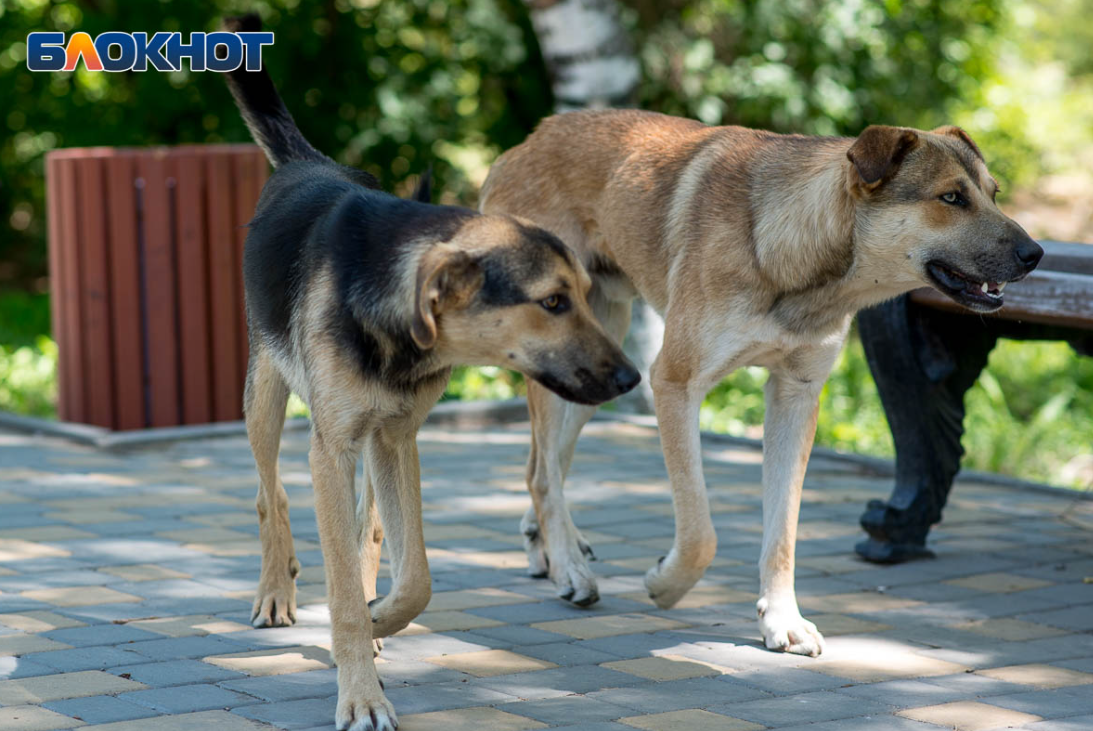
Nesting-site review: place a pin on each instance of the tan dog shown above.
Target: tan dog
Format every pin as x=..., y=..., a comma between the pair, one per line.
x=360, y=303
x=757, y=249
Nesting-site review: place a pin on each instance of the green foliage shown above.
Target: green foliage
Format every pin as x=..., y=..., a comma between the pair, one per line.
x=28, y=378
x=388, y=86
x=815, y=67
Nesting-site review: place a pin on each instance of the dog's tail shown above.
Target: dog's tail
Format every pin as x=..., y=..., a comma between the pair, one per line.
x=269, y=122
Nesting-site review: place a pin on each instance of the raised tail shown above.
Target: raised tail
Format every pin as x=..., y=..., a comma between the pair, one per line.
x=269, y=122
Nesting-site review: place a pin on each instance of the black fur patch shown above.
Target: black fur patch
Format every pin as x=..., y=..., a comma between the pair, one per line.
x=316, y=215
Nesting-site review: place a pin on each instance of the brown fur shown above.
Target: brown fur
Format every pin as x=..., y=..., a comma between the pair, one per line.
x=757, y=249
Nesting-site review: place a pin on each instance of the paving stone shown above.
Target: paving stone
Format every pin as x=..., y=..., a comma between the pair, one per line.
x=144, y=572
x=467, y=719
x=182, y=647
x=868, y=661
x=608, y=626
x=175, y=672
x=566, y=710
x=665, y=667
x=293, y=686
x=80, y=596
x=998, y=583
x=65, y=685
x=818, y=706
x=277, y=661
x=1040, y=676
x=1051, y=703
x=87, y=658
x=38, y=621
x=188, y=699
x=13, y=668
x=201, y=721
x=677, y=695
x=190, y=625
x=969, y=716
x=690, y=720
x=34, y=718
x=1077, y=723
x=489, y=663
x=445, y=696
x=900, y=638
x=1010, y=630
x=100, y=708
x=561, y=653
x=100, y=634
x=21, y=643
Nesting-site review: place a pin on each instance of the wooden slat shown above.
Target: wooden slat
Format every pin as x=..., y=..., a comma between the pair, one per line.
x=246, y=190
x=125, y=299
x=193, y=295
x=159, y=293
x=56, y=262
x=227, y=388
x=69, y=343
x=95, y=295
x=1045, y=297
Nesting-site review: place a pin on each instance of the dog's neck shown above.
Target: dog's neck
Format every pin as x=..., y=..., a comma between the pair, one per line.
x=868, y=277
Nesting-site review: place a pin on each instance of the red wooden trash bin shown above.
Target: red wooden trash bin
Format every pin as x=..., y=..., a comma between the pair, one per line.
x=145, y=256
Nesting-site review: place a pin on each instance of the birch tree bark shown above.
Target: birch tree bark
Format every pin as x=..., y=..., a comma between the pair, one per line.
x=593, y=66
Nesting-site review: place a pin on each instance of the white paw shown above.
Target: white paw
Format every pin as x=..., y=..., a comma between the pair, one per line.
x=573, y=577
x=275, y=600
x=363, y=707
x=667, y=581
x=786, y=630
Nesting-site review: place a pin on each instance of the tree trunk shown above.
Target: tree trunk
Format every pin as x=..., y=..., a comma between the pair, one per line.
x=593, y=66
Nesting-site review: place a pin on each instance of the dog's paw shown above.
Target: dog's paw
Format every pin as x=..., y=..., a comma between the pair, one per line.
x=535, y=547
x=275, y=600
x=363, y=707
x=574, y=580
x=784, y=629
x=667, y=582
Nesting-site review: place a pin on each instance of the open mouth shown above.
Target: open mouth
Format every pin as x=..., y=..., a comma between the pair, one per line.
x=965, y=290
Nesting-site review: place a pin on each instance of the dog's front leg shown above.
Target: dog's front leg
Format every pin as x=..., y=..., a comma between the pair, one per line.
x=371, y=541
x=396, y=475
x=788, y=430
x=677, y=403
x=361, y=703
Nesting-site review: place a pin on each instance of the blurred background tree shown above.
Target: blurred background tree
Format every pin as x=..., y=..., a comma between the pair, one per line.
x=394, y=85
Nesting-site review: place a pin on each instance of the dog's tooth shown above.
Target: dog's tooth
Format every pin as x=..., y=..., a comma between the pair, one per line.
x=985, y=290
x=1001, y=286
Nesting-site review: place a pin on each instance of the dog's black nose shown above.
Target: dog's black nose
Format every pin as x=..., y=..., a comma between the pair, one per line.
x=1029, y=253
x=626, y=377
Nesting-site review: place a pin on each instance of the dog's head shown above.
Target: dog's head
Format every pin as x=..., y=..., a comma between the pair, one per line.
x=507, y=293
x=927, y=206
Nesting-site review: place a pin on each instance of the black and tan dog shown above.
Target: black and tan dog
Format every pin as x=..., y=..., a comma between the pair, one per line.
x=757, y=249
x=360, y=303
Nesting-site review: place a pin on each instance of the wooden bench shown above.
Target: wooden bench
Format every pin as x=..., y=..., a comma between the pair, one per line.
x=925, y=352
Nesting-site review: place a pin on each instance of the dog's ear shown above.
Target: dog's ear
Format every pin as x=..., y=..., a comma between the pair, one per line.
x=954, y=131
x=446, y=279
x=423, y=191
x=878, y=152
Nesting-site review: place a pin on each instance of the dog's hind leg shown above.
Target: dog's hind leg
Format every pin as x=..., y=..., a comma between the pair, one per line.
x=554, y=546
x=788, y=431
x=264, y=403
x=396, y=475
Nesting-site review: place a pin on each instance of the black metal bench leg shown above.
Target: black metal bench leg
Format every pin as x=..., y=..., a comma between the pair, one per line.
x=923, y=361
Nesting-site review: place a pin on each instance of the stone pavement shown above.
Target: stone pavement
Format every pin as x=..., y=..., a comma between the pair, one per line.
x=126, y=579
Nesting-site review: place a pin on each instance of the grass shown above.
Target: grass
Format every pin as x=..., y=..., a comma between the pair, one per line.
x=1029, y=415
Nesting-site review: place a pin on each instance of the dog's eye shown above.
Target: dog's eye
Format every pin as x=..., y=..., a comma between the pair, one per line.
x=555, y=303
x=953, y=199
